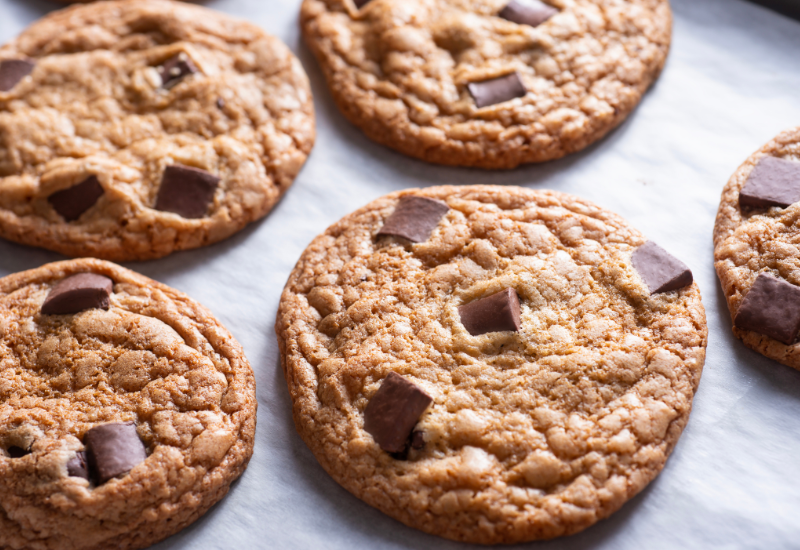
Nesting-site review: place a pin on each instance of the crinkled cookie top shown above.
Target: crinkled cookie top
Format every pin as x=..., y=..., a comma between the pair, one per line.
x=400, y=70
x=155, y=358
x=99, y=103
x=531, y=434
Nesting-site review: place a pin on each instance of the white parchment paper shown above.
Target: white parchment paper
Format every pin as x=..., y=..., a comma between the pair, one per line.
x=732, y=82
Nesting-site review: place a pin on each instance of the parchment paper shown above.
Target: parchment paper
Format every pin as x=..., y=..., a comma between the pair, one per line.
x=732, y=82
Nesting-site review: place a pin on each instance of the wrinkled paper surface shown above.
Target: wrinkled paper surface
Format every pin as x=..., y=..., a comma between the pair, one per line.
x=732, y=82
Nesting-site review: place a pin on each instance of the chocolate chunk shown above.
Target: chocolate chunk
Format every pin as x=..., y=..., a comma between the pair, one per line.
x=527, y=12
x=77, y=293
x=393, y=412
x=220, y=103
x=17, y=452
x=175, y=69
x=76, y=200
x=12, y=71
x=113, y=450
x=497, y=90
x=773, y=182
x=417, y=440
x=77, y=466
x=414, y=218
x=660, y=270
x=361, y=3
x=771, y=308
x=186, y=191
x=495, y=313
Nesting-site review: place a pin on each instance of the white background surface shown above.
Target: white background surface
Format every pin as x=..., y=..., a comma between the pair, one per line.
x=731, y=83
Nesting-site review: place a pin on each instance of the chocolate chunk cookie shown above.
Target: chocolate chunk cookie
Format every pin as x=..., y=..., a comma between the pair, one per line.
x=517, y=374
x=488, y=83
x=126, y=408
x=134, y=128
x=756, y=249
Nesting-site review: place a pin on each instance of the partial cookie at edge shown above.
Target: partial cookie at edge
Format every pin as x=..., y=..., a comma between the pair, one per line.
x=400, y=70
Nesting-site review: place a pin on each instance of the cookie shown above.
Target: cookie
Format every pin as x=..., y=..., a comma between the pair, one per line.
x=135, y=128
x=487, y=83
x=126, y=408
x=517, y=374
x=755, y=249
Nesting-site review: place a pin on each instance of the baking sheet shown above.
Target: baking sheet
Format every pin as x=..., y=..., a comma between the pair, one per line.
x=731, y=84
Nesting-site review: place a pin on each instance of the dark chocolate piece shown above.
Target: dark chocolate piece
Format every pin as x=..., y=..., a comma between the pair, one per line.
x=497, y=90
x=77, y=293
x=176, y=69
x=17, y=452
x=773, y=182
x=77, y=466
x=495, y=313
x=12, y=71
x=660, y=270
x=361, y=3
x=414, y=218
x=393, y=412
x=186, y=191
x=76, y=200
x=417, y=440
x=113, y=450
x=771, y=308
x=220, y=103
x=527, y=12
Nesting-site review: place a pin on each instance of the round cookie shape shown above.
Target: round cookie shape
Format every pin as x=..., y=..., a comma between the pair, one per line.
x=755, y=249
x=537, y=379
x=123, y=417
x=487, y=83
x=143, y=127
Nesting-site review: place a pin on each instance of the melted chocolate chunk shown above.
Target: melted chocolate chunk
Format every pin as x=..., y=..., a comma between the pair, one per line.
x=72, y=202
x=361, y=3
x=186, y=191
x=495, y=313
x=527, y=12
x=113, y=450
x=773, y=182
x=12, y=71
x=417, y=441
x=393, y=412
x=771, y=308
x=497, y=90
x=414, y=218
x=17, y=452
x=176, y=69
x=77, y=293
x=77, y=466
x=660, y=270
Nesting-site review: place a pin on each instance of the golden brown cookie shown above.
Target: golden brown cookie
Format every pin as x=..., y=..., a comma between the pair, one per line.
x=126, y=408
x=756, y=249
x=490, y=364
x=488, y=83
x=134, y=128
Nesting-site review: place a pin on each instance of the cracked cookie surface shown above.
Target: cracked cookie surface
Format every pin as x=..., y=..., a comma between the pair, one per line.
x=155, y=358
x=95, y=104
x=749, y=242
x=531, y=434
x=400, y=69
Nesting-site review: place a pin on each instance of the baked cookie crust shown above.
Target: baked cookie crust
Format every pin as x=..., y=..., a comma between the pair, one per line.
x=749, y=242
x=399, y=69
x=155, y=357
x=95, y=105
x=531, y=434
